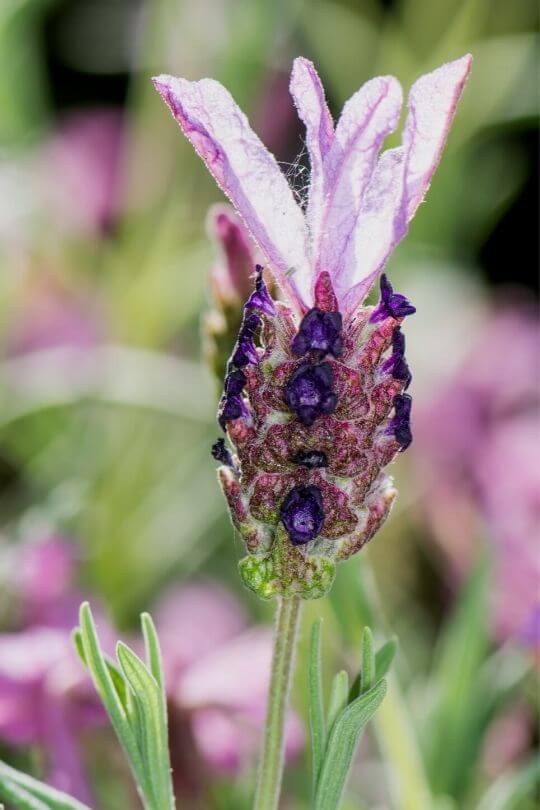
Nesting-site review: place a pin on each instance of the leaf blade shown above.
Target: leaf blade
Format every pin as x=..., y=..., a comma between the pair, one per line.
x=154, y=724
x=342, y=744
x=21, y=786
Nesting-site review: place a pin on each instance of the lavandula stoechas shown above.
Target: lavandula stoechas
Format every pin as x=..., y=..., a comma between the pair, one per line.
x=314, y=404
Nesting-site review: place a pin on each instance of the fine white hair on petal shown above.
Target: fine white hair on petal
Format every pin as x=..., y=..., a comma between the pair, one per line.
x=247, y=173
x=432, y=105
x=382, y=222
x=400, y=180
x=308, y=95
x=367, y=118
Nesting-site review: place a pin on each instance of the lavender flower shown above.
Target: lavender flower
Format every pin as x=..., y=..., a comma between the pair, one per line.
x=46, y=699
x=313, y=405
x=477, y=452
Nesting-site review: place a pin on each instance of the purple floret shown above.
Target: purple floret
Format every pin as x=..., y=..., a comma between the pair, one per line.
x=245, y=351
x=222, y=454
x=232, y=406
x=309, y=392
x=302, y=514
x=261, y=298
x=320, y=332
x=391, y=304
x=400, y=425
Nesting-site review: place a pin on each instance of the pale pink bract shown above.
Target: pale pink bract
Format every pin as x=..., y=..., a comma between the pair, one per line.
x=359, y=203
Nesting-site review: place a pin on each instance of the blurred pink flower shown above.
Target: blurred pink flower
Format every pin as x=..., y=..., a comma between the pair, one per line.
x=216, y=672
x=82, y=163
x=46, y=697
x=478, y=443
x=49, y=315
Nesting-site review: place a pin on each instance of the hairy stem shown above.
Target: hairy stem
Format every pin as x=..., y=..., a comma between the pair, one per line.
x=271, y=764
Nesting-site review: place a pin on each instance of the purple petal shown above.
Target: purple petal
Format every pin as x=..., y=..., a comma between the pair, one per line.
x=247, y=173
x=308, y=94
x=367, y=118
x=432, y=105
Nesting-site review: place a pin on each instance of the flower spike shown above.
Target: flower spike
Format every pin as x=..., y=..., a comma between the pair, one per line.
x=314, y=405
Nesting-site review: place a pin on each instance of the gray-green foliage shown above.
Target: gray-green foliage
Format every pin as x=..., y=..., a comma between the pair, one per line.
x=335, y=734
x=133, y=694
x=26, y=793
x=134, y=698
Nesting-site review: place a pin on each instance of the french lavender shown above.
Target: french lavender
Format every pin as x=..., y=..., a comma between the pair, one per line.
x=315, y=403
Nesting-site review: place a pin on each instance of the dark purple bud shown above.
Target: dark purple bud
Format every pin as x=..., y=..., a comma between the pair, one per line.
x=309, y=392
x=400, y=367
x=321, y=332
x=400, y=425
x=235, y=382
x=391, y=304
x=244, y=351
x=302, y=514
x=398, y=342
x=312, y=459
x=232, y=406
x=261, y=298
x=221, y=454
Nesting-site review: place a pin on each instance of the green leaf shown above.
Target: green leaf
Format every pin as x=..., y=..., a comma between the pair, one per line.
x=316, y=702
x=384, y=658
x=105, y=686
x=152, y=717
x=116, y=676
x=514, y=791
x=368, y=661
x=28, y=793
x=459, y=719
x=383, y=661
x=342, y=744
x=339, y=697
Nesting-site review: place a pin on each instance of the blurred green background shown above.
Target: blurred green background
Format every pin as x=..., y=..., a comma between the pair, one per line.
x=107, y=409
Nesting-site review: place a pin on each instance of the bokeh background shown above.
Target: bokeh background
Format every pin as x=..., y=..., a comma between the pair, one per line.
x=107, y=488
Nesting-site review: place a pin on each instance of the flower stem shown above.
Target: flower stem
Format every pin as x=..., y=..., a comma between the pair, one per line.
x=271, y=765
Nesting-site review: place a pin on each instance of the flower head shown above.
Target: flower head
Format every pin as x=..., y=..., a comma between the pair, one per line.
x=314, y=403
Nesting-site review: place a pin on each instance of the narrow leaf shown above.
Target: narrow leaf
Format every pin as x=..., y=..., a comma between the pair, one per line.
x=150, y=697
x=383, y=661
x=342, y=744
x=116, y=676
x=31, y=794
x=316, y=702
x=153, y=652
x=339, y=696
x=109, y=696
x=384, y=658
x=368, y=661
x=20, y=797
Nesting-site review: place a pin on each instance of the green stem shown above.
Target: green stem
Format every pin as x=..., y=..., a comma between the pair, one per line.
x=271, y=765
